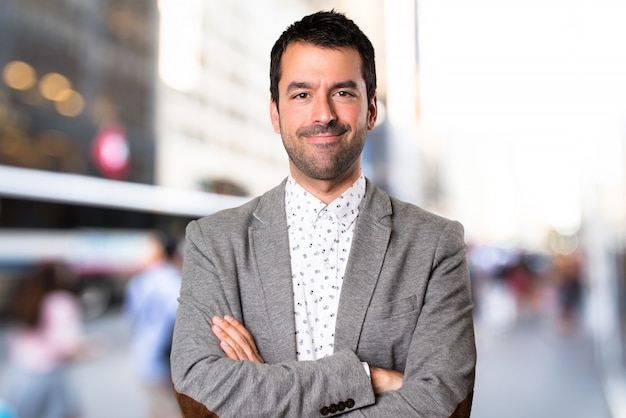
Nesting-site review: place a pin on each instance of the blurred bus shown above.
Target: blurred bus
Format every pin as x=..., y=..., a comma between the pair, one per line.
x=99, y=227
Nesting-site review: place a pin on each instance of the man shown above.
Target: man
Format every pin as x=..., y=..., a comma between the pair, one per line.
x=324, y=296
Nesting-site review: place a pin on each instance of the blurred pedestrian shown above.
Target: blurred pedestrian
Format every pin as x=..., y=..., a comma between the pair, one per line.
x=45, y=334
x=151, y=303
x=569, y=290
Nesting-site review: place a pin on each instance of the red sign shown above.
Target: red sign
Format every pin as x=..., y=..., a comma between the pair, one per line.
x=110, y=151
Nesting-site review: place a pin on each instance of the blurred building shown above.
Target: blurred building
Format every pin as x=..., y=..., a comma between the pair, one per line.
x=99, y=97
x=157, y=93
x=77, y=95
x=77, y=112
x=213, y=115
x=213, y=112
x=525, y=104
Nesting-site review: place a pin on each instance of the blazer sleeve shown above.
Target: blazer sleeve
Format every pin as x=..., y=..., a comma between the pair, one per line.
x=440, y=365
x=190, y=408
x=202, y=373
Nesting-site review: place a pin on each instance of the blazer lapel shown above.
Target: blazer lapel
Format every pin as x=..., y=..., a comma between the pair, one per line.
x=270, y=245
x=371, y=238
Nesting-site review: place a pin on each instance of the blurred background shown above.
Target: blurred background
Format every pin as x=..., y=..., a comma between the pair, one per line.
x=119, y=118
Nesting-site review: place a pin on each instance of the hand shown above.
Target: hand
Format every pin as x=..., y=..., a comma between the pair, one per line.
x=235, y=340
x=384, y=380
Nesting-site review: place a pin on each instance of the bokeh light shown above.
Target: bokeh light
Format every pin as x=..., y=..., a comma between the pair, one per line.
x=53, y=86
x=19, y=75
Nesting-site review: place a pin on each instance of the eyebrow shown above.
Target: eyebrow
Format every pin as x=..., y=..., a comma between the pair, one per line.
x=297, y=85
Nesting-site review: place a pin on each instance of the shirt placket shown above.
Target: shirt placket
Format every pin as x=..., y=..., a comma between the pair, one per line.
x=327, y=289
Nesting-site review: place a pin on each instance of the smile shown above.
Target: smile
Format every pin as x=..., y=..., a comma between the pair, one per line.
x=323, y=133
x=322, y=139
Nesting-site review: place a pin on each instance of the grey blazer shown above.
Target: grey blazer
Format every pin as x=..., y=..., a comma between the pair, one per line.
x=405, y=305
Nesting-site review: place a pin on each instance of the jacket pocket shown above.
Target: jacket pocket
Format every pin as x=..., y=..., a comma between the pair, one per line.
x=387, y=333
x=391, y=309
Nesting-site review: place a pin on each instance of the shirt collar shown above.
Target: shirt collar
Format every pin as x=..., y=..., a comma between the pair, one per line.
x=302, y=206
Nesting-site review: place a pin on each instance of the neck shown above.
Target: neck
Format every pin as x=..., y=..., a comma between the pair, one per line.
x=326, y=190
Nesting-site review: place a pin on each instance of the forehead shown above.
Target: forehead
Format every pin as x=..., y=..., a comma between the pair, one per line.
x=307, y=60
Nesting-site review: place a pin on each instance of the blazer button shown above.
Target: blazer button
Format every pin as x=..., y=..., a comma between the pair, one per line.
x=350, y=403
x=333, y=408
x=325, y=411
x=341, y=406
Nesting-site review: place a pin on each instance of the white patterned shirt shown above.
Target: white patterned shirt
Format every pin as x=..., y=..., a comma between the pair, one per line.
x=320, y=238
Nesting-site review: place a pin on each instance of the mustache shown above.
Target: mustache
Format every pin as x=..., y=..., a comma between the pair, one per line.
x=329, y=129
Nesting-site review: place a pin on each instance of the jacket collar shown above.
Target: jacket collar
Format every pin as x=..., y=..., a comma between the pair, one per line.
x=270, y=243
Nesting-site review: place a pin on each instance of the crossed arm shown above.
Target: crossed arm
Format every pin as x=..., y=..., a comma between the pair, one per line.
x=223, y=369
x=238, y=344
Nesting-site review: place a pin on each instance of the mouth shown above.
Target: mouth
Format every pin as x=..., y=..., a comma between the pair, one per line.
x=323, y=139
x=323, y=134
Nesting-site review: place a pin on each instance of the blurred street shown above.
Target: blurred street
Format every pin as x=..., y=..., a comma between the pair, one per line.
x=527, y=371
x=122, y=119
x=106, y=386
x=533, y=371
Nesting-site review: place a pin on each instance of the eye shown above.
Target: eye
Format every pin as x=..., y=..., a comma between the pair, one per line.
x=300, y=96
x=345, y=95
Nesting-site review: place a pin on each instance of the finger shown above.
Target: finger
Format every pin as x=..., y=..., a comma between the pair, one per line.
x=241, y=331
x=228, y=350
x=225, y=342
x=234, y=333
x=245, y=345
x=238, y=339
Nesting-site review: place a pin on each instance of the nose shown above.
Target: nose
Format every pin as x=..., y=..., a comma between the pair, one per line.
x=323, y=111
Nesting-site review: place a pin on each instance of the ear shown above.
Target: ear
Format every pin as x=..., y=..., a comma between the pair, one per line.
x=274, y=116
x=372, y=113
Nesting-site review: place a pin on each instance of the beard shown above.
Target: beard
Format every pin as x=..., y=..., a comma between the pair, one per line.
x=324, y=161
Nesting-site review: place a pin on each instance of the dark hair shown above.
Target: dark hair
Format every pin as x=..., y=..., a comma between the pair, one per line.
x=170, y=246
x=33, y=287
x=327, y=30
x=168, y=243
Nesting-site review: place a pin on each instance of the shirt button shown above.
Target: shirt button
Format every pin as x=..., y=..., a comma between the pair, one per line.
x=350, y=403
x=333, y=408
x=341, y=406
x=324, y=411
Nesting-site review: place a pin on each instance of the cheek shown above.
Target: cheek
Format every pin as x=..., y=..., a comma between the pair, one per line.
x=361, y=119
x=291, y=119
x=355, y=116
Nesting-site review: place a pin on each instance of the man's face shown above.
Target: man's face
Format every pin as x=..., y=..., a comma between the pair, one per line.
x=323, y=114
